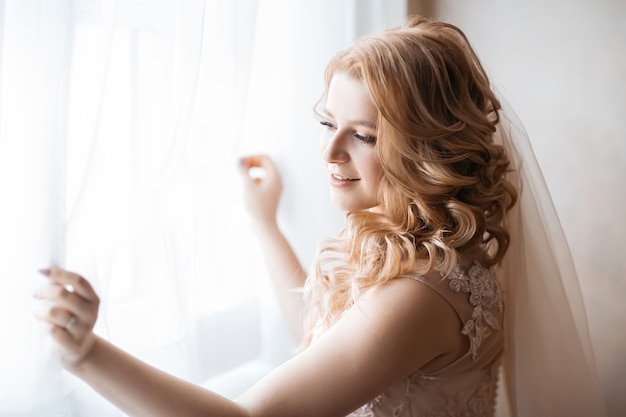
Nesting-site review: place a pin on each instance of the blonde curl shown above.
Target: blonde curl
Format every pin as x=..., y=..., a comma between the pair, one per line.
x=443, y=193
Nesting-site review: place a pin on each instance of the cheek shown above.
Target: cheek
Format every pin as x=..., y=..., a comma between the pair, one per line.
x=377, y=180
x=375, y=168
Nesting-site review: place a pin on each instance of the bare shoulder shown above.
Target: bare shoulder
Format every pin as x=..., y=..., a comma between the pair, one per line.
x=404, y=290
x=411, y=312
x=402, y=326
x=391, y=331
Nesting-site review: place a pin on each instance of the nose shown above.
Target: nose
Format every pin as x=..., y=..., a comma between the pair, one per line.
x=333, y=148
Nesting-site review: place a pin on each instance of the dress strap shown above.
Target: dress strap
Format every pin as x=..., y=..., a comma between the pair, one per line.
x=475, y=295
x=441, y=285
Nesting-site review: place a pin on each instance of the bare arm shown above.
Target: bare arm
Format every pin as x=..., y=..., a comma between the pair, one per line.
x=262, y=196
x=130, y=384
x=390, y=332
x=287, y=276
x=142, y=390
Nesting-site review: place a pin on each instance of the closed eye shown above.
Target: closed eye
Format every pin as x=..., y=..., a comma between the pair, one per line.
x=365, y=139
x=369, y=140
x=327, y=124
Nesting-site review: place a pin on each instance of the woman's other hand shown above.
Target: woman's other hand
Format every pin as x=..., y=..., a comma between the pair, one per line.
x=71, y=310
x=262, y=188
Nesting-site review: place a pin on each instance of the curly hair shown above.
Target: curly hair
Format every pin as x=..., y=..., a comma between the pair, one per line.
x=444, y=191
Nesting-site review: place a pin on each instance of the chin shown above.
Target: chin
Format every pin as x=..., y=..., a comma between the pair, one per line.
x=341, y=204
x=353, y=200
x=348, y=206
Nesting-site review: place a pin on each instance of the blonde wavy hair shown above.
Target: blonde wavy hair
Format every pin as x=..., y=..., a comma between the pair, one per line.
x=443, y=191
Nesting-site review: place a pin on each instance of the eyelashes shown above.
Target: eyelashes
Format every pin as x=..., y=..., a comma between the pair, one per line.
x=370, y=140
x=366, y=139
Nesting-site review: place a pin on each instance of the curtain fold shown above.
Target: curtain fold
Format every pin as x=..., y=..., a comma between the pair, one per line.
x=121, y=123
x=36, y=44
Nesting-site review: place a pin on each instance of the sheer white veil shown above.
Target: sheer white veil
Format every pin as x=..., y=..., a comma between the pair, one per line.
x=548, y=366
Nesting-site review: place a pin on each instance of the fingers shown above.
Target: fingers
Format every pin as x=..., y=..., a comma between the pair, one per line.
x=255, y=167
x=70, y=312
x=262, y=186
x=68, y=299
x=256, y=161
x=72, y=282
x=73, y=303
x=60, y=319
x=56, y=316
x=63, y=337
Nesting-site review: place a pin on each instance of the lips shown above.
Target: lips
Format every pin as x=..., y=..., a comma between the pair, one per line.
x=339, y=181
x=341, y=178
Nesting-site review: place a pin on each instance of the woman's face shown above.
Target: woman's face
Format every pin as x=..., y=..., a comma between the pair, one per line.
x=348, y=144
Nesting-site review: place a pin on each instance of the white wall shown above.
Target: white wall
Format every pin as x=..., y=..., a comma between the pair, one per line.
x=562, y=65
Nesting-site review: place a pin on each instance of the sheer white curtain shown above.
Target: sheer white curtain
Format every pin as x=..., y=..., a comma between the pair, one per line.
x=121, y=123
x=35, y=67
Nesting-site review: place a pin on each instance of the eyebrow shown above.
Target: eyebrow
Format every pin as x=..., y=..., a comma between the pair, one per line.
x=354, y=122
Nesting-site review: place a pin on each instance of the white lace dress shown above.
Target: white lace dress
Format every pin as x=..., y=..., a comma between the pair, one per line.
x=466, y=387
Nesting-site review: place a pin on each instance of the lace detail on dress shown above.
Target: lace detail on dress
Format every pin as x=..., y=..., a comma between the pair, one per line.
x=484, y=294
x=480, y=404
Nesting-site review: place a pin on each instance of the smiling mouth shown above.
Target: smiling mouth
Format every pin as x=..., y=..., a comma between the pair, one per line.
x=340, y=178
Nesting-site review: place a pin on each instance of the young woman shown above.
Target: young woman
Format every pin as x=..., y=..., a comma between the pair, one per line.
x=403, y=314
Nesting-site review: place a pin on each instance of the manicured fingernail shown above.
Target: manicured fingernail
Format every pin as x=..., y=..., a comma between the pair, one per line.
x=45, y=271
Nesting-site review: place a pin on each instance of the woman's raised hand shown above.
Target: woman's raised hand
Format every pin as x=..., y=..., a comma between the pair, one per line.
x=261, y=192
x=70, y=311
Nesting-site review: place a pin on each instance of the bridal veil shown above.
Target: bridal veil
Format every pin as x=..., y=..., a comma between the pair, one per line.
x=548, y=366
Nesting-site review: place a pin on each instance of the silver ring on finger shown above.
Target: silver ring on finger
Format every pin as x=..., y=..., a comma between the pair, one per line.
x=70, y=322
